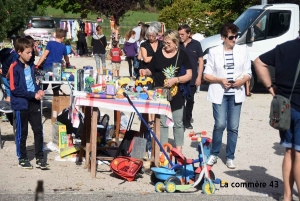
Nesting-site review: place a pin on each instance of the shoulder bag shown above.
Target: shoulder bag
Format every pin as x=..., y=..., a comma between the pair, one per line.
x=280, y=113
x=103, y=46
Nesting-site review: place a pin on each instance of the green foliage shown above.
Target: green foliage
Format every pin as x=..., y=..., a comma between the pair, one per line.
x=115, y=8
x=204, y=16
x=73, y=6
x=14, y=15
x=189, y=12
x=160, y=4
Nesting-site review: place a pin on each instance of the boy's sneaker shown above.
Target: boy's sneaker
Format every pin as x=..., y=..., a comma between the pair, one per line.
x=25, y=164
x=212, y=160
x=229, y=164
x=42, y=164
x=4, y=118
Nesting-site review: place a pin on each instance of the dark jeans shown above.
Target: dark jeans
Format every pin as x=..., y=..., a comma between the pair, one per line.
x=189, y=105
x=33, y=116
x=130, y=61
x=82, y=47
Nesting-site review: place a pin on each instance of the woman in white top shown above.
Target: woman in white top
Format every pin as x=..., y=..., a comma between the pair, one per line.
x=227, y=69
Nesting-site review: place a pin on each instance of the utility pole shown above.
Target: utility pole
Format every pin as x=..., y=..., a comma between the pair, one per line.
x=264, y=2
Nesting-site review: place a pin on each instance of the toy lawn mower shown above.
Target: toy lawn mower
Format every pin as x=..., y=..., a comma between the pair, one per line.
x=183, y=175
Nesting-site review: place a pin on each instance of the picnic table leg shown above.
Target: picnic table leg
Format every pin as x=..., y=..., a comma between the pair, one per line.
x=94, y=142
x=117, y=119
x=143, y=127
x=157, y=133
x=87, y=123
x=83, y=136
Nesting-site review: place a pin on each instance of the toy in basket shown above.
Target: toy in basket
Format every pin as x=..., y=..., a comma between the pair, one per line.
x=184, y=176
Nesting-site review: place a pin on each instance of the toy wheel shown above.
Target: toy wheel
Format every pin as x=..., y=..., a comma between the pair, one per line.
x=173, y=179
x=212, y=177
x=208, y=188
x=170, y=187
x=153, y=178
x=159, y=187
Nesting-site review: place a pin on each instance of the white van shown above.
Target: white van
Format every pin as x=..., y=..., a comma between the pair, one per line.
x=261, y=28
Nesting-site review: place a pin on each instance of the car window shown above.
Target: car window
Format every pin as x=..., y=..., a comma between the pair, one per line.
x=272, y=25
x=43, y=24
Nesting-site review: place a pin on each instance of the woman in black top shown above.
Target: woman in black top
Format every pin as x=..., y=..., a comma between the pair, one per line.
x=149, y=47
x=99, y=44
x=170, y=55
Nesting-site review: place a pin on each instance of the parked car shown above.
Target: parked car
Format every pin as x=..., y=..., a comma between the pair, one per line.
x=42, y=22
x=261, y=28
x=41, y=28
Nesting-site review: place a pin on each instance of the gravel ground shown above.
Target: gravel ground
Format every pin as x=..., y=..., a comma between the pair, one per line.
x=258, y=157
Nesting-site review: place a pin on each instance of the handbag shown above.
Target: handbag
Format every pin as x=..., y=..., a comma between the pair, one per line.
x=280, y=113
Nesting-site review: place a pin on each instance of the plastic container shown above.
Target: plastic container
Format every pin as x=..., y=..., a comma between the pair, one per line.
x=138, y=147
x=56, y=69
x=47, y=76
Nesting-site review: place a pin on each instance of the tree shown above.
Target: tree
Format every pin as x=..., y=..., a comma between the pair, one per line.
x=14, y=14
x=207, y=16
x=116, y=8
x=186, y=12
x=73, y=6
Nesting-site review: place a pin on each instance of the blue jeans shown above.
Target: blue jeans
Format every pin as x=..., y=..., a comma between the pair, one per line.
x=6, y=85
x=291, y=137
x=226, y=115
x=97, y=59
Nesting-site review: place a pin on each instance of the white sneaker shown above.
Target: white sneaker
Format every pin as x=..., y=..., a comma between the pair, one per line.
x=212, y=160
x=229, y=164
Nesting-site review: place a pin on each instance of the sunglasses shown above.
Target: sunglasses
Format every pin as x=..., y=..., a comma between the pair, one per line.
x=232, y=37
x=167, y=43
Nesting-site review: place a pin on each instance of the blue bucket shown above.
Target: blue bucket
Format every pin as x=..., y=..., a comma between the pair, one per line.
x=163, y=173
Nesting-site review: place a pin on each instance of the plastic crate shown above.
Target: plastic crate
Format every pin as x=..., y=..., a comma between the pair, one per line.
x=138, y=147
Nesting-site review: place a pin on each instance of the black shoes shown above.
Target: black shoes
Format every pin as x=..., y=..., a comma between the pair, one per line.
x=41, y=163
x=25, y=164
x=188, y=126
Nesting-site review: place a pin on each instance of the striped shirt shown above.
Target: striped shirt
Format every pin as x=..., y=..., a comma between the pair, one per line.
x=229, y=68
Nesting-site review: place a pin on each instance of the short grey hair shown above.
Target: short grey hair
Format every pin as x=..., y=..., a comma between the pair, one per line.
x=151, y=31
x=157, y=25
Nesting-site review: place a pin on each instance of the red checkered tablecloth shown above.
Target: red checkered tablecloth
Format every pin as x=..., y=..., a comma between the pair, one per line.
x=143, y=106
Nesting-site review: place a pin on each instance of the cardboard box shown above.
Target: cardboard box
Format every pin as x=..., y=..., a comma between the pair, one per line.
x=58, y=104
x=68, y=151
x=59, y=135
x=63, y=141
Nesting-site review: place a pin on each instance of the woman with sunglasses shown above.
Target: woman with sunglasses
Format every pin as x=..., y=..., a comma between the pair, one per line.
x=170, y=55
x=227, y=69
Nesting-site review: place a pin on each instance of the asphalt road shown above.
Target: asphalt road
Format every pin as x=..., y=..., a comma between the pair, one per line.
x=132, y=197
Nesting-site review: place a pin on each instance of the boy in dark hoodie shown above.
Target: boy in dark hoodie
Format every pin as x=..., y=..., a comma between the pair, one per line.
x=26, y=102
x=130, y=49
x=99, y=44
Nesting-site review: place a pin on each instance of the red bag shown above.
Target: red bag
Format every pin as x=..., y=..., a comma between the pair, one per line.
x=126, y=167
